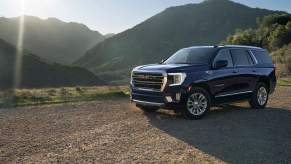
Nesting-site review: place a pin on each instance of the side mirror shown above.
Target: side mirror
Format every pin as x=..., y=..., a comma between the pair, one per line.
x=220, y=64
x=162, y=61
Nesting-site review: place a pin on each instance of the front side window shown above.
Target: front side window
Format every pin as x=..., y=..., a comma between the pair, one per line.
x=191, y=56
x=224, y=55
x=241, y=57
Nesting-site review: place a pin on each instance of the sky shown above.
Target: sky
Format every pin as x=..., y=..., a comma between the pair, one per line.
x=110, y=16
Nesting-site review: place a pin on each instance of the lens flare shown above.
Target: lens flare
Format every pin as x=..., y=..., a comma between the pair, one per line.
x=19, y=51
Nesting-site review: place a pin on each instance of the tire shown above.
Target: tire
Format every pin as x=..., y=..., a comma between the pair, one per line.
x=260, y=96
x=197, y=104
x=148, y=109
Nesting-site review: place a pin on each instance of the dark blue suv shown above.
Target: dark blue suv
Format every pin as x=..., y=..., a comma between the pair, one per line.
x=196, y=78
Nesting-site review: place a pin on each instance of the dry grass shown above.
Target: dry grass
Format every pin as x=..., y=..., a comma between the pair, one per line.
x=286, y=81
x=26, y=97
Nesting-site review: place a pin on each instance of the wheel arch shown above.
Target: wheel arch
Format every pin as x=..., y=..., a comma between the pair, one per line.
x=202, y=85
x=265, y=80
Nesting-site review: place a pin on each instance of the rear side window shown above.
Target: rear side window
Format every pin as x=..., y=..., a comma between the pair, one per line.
x=241, y=57
x=262, y=57
x=224, y=55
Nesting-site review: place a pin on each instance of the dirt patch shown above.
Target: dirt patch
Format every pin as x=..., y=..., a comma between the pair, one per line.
x=115, y=131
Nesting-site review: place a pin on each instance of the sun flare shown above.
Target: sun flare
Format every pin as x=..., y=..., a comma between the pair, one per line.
x=19, y=51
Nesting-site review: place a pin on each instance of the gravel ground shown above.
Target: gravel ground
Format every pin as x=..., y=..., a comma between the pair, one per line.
x=115, y=131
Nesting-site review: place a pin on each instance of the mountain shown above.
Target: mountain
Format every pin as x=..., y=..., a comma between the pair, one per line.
x=109, y=35
x=36, y=73
x=157, y=38
x=51, y=39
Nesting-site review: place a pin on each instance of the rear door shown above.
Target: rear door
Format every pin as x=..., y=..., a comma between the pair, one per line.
x=265, y=66
x=245, y=64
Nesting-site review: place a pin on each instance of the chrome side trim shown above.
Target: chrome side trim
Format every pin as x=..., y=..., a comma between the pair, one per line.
x=232, y=94
x=219, y=85
x=148, y=103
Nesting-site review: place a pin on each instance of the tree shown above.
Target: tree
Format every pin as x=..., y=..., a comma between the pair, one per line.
x=273, y=33
x=282, y=57
x=269, y=21
x=280, y=36
x=247, y=37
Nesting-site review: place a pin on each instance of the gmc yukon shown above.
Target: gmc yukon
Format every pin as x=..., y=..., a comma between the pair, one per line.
x=196, y=78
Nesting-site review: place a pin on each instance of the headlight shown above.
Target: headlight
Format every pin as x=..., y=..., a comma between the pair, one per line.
x=175, y=79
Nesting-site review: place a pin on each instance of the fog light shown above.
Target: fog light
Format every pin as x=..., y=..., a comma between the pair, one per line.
x=189, y=88
x=178, y=96
x=169, y=99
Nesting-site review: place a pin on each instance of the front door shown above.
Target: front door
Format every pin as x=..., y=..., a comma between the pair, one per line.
x=223, y=81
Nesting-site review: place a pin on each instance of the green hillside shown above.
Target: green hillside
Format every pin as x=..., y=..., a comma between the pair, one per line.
x=274, y=34
x=157, y=38
x=51, y=39
x=36, y=73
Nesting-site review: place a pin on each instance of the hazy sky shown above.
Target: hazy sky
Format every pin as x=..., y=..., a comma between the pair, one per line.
x=110, y=16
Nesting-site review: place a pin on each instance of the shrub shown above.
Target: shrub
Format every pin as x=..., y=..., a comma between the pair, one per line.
x=64, y=92
x=52, y=92
x=79, y=89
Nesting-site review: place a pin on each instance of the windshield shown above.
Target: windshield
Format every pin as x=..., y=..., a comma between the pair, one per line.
x=191, y=56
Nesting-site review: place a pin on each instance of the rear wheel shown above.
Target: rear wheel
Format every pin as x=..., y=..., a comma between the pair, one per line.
x=197, y=104
x=260, y=97
x=147, y=108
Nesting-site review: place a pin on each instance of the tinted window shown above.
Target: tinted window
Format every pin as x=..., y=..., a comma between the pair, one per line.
x=241, y=57
x=262, y=57
x=191, y=56
x=224, y=55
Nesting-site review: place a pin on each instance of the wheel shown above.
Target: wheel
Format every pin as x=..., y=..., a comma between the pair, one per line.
x=197, y=104
x=147, y=108
x=260, y=97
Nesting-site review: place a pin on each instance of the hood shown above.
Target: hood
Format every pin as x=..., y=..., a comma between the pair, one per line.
x=172, y=67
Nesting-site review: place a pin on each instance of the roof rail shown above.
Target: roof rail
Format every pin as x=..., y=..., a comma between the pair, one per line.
x=242, y=46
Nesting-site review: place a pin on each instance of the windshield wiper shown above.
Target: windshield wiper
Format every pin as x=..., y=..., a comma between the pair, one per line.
x=189, y=63
x=181, y=63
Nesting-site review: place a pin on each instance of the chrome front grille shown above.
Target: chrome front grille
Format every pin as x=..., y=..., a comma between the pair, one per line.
x=149, y=81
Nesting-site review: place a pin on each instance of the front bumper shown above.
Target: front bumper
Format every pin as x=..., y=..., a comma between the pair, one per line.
x=170, y=97
x=146, y=103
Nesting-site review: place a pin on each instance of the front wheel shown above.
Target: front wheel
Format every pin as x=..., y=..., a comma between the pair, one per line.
x=197, y=104
x=260, y=97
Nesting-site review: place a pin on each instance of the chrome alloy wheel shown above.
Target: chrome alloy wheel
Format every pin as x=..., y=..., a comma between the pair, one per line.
x=262, y=95
x=197, y=104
